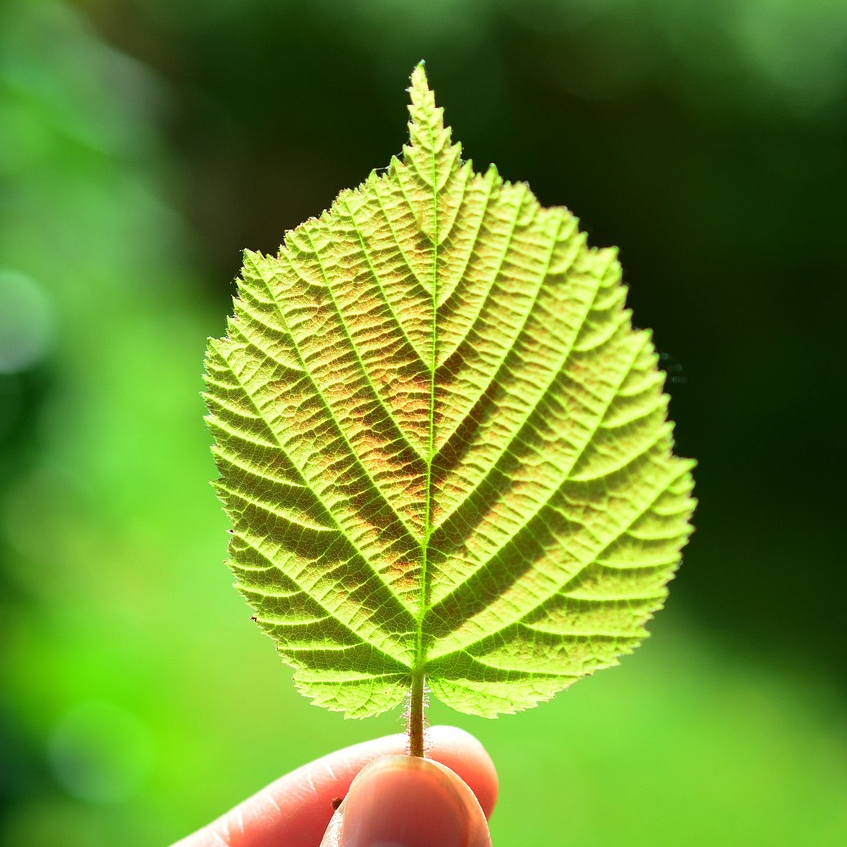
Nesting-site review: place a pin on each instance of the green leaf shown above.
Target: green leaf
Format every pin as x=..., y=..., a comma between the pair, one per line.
x=442, y=446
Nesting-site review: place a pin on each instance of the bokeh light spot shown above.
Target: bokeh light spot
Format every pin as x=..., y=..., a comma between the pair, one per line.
x=100, y=753
x=26, y=322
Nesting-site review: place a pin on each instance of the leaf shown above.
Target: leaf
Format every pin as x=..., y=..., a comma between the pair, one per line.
x=442, y=446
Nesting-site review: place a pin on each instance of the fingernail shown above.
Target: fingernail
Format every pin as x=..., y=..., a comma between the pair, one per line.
x=405, y=801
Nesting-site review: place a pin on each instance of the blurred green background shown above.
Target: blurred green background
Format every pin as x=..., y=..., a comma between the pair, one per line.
x=144, y=144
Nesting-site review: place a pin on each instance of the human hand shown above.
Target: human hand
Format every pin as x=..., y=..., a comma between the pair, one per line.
x=389, y=798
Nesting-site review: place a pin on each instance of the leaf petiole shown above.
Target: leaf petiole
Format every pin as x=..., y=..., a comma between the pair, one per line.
x=415, y=717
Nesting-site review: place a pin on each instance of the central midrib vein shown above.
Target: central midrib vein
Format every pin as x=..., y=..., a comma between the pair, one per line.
x=420, y=657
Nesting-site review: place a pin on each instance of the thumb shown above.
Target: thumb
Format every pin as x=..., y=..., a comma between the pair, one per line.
x=406, y=801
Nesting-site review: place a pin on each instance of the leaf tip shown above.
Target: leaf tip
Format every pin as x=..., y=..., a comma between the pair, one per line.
x=422, y=107
x=419, y=75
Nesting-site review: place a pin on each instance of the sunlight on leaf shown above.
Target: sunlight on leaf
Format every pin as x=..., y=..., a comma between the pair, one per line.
x=442, y=446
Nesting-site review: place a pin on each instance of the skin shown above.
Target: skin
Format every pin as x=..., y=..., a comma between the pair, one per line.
x=389, y=798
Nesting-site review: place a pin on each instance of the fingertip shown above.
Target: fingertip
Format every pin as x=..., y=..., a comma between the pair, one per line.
x=407, y=801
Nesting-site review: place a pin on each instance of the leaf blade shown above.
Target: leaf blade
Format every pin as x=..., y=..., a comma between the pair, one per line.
x=443, y=447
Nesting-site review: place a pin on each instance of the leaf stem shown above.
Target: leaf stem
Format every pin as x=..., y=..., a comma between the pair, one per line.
x=415, y=718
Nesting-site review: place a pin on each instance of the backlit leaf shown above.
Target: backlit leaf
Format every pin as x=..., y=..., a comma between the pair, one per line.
x=442, y=446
